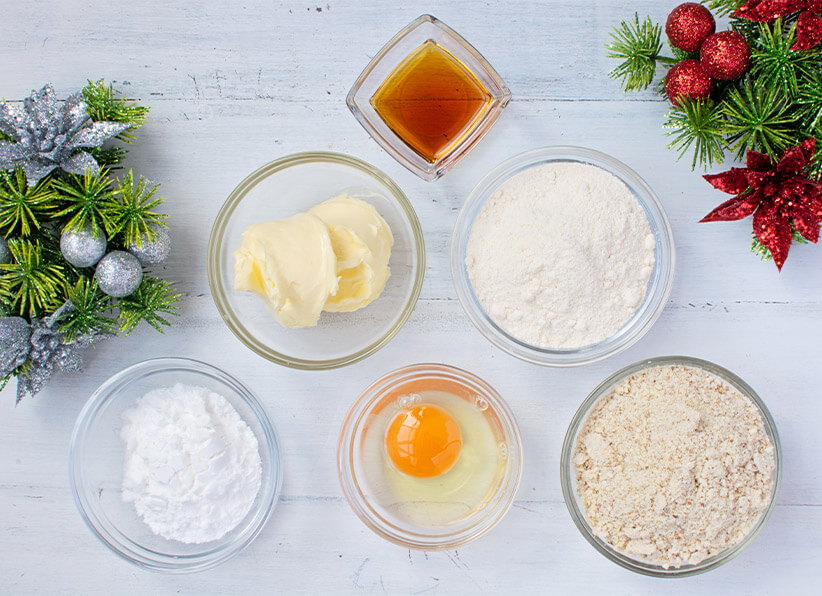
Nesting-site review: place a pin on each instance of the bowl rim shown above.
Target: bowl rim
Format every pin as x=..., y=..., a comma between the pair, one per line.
x=659, y=285
x=419, y=31
x=220, y=295
x=359, y=503
x=567, y=476
x=109, y=534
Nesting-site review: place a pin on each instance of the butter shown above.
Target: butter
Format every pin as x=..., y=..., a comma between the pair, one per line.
x=333, y=257
x=363, y=278
x=291, y=264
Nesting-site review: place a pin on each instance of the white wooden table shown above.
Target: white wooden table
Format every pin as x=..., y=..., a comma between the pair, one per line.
x=233, y=85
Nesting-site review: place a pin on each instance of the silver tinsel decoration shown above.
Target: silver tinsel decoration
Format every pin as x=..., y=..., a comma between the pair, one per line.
x=46, y=135
x=15, y=333
x=43, y=346
x=5, y=255
x=83, y=248
x=119, y=274
x=154, y=251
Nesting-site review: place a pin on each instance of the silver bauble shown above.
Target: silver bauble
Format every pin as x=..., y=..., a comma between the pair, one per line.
x=119, y=274
x=152, y=252
x=5, y=255
x=83, y=248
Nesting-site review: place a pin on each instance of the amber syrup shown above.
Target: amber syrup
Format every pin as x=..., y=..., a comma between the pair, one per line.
x=431, y=100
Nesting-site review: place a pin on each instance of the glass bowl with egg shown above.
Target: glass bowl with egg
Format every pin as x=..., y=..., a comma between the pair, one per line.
x=562, y=256
x=430, y=457
x=99, y=468
x=671, y=466
x=316, y=260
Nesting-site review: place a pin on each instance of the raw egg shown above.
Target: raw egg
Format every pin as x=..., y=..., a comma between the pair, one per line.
x=423, y=441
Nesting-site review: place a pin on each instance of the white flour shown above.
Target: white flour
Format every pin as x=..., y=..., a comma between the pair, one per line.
x=560, y=255
x=192, y=468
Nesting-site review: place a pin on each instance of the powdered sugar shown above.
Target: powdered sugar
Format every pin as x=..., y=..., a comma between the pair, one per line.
x=192, y=468
x=561, y=254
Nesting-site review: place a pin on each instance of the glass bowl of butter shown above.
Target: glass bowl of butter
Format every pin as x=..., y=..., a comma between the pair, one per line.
x=316, y=260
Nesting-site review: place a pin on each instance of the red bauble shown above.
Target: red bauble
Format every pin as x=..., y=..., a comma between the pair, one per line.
x=725, y=55
x=687, y=78
x=689, y=25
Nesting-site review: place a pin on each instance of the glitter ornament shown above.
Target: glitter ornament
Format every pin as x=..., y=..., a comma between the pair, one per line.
x=151, y=252
x=84, y=247
x=689, y=25
x=47, y=134
x=15, y=333
x=5, y=255
x=119, y=274
x=688, y=79
x=779, y=195
x=725, y=55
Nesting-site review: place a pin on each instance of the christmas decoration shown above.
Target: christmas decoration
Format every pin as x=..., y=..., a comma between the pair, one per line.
x=784, y=202
x=687, y=79
x=61, y=207
x=119, y=274
x=725, y=55
x=151, y=252
x=46, y=135
x=83, y=247
x=808, y=23
x=689, y=25
x=768, y=98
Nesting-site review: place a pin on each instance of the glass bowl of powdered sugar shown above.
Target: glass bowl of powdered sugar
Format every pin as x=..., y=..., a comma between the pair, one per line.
x=562, y=256
x=174, y=465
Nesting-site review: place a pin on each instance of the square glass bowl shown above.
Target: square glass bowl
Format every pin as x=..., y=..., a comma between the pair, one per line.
x=401, y=73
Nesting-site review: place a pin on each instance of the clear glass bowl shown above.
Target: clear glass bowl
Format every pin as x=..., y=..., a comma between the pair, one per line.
x=96, y=467
x=423, y=29
x=659, y=284
x=366, y=477
x=569, y=483
x=283, y=188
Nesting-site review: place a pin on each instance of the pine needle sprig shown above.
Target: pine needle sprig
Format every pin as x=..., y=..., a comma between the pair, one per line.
x=775, y=64
x=104, y=105
x=133, y=209
x=87, y=315
x=31, y=284
x=154, y=296
x=697, y=124
x=108, y=157
x=23, y=208
x=638, y=46
x=809, y=103
x=758, y=119
x=87, y=201
x=722, y=8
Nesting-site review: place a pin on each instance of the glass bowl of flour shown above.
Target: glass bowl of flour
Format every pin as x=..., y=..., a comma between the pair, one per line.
x=562, y=256
x=671, y=466
x=174, y=465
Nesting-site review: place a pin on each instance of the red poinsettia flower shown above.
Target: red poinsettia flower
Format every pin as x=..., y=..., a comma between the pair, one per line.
x=780, y=196
x=808, y=26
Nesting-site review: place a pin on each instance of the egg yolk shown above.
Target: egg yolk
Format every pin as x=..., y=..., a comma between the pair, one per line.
x=423, y=441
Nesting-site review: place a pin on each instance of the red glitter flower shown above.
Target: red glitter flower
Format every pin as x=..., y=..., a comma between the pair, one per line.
x=808, y=26
x=780, y=196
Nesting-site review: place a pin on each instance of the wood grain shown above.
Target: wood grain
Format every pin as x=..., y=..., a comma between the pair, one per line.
x=234, y=85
